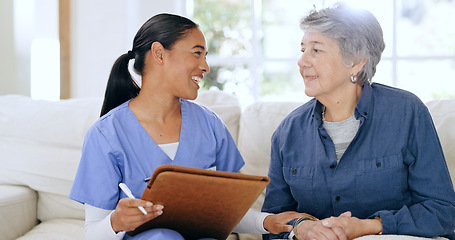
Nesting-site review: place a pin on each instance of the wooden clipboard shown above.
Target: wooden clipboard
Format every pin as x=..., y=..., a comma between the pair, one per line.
x=200, y=203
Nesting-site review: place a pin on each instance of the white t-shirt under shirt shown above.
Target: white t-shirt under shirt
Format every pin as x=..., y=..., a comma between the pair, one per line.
x=342, y=133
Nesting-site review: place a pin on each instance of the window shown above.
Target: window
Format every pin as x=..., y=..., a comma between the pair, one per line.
x=37, y=42
x=254, y=46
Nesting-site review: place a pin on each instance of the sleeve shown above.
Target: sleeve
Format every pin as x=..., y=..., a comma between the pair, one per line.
x=278, y=197
x=252, y=222
x=432, y=211
x=228, y=157
x=98, y=224
x=98, y=174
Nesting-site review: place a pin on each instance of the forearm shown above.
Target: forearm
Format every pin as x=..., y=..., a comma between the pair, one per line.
x=252, y=222
x=98, y=224
x=433, y=219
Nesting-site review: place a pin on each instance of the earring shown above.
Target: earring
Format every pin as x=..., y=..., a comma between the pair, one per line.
x=354, y=79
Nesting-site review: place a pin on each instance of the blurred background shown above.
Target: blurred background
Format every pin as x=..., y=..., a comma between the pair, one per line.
x=58, y=49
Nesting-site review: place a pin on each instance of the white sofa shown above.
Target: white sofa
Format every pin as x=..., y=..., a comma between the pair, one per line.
x=40, y=147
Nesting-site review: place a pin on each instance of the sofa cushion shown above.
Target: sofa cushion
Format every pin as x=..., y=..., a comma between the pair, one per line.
x=17, y=210
x=41, y=143
x=57, y=229
x=257, y=124
x=443, y=114
x=52, y=206
x=62, y=123
x=225, y=105
x=396, y=237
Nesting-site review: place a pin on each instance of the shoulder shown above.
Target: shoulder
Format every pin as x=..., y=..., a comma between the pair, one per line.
x=112, y=119
x=115, y=112
x=387, y=99
x=393, y=94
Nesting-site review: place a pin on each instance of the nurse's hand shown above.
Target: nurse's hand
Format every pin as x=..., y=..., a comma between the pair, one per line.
x=128, y=217
x=277, y=223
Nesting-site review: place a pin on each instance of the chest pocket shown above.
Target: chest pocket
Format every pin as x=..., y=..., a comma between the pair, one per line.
x=382, y=182
x=301, y=183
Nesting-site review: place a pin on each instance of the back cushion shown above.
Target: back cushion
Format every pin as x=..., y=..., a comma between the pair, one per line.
x=443, y=113
x=40, y=146
x=225, y=105
x=257, y=124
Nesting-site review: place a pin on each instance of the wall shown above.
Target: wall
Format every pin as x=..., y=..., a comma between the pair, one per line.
x=8, y=82
x=99, y=39
x=101, y=31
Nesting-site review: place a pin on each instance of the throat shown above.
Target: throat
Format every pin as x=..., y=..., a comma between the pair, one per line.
x=335, y=117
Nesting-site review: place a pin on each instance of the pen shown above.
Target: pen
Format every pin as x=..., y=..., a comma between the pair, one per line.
x=128, y=193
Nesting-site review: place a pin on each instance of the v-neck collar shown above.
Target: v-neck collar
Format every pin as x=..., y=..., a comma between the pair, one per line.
x=155, y=147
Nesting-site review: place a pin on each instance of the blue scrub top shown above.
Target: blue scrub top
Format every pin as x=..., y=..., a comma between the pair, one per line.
x=118, y=149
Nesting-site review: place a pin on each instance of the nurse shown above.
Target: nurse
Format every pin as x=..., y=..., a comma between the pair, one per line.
x=144, y=127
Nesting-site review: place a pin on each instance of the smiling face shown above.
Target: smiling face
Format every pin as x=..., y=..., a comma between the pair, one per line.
x=185, y=64
x=322, y=68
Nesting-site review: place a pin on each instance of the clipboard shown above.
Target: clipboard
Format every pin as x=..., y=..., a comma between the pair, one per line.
x=200, y=203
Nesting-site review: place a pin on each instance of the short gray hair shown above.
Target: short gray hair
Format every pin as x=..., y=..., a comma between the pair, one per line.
x=357, y=32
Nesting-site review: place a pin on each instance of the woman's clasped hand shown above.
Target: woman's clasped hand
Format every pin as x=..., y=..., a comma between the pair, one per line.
x=343, y=227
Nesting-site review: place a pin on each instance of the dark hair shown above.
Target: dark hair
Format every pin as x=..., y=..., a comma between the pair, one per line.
x=163, y=28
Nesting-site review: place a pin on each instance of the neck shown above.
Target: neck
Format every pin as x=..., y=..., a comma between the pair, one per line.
x=155, y=103
x=341, y=107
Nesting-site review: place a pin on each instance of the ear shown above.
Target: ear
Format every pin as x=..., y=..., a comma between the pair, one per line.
x=157, y=51
x=356, y=67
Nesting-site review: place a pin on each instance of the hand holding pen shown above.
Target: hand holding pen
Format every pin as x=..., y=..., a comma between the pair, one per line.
x=128, y=193
x=128, y=216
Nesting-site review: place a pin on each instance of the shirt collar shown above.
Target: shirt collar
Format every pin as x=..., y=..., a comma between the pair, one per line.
x=365, y=101
x=317, y=111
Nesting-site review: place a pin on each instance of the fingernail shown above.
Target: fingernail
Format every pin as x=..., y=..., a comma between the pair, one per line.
x=148, y=204
x=159, y=212
x=325, y=223
x=159, y=207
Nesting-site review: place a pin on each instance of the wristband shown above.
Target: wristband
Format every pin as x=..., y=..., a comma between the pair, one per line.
x=300, y=221
x=378, y=218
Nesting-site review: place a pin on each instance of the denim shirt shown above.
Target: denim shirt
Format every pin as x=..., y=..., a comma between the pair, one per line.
x=394, y=167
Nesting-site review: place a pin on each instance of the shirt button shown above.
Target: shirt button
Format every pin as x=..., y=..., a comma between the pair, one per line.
x=332, y=166
x=378, y=164
x=294, y=171
x=337, y=198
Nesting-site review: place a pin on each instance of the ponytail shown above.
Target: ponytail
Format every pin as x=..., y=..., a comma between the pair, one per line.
x=121, y=87
x=163, y=28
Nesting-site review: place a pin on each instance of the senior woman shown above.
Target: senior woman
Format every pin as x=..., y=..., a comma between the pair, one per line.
x=361, y=157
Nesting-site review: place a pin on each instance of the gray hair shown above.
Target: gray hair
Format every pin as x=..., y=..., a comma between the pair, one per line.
x=356, y=31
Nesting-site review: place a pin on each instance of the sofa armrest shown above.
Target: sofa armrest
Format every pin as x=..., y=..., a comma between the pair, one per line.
x=18, y=211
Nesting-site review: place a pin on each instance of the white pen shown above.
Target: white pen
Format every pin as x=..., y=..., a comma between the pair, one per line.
x=128, y=193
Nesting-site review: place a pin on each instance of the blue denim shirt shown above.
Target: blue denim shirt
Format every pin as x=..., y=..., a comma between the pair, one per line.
x=394, y=167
